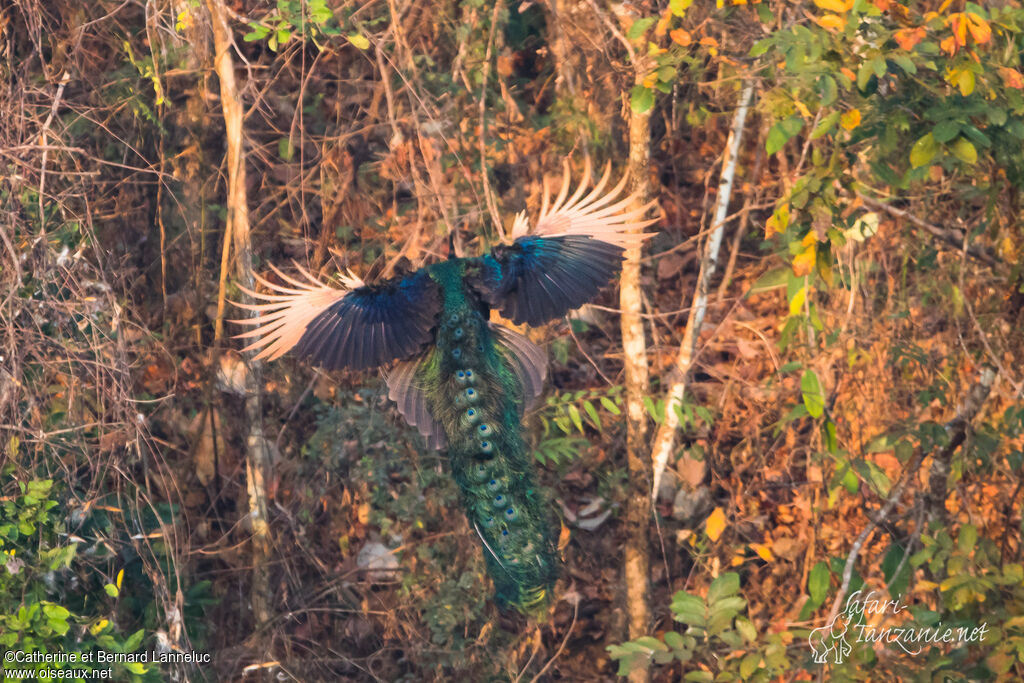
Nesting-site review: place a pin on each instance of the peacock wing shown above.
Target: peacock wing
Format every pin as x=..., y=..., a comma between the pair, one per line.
x=358, y=326
x=528, y=362
x=573, y=251
x=410, y=398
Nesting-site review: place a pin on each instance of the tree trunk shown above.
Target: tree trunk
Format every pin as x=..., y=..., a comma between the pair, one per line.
x=257, y=461
x=634, y=346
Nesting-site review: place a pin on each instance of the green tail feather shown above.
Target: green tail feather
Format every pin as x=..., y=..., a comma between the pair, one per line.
x=473, y=392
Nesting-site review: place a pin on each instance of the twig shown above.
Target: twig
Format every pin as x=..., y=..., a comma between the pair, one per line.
x=46, y=149
x=665, y=438
x=575, y=612
x=951, y=237
x=935, y=498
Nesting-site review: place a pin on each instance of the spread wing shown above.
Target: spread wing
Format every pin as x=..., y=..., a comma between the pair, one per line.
x=573, y=251
x=357, y=326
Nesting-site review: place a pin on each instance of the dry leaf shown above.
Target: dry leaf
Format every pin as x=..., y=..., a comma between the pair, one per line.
x=715, y=524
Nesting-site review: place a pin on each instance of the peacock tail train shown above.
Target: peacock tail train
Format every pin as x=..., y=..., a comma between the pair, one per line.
x=473, y=390
x=461, y=380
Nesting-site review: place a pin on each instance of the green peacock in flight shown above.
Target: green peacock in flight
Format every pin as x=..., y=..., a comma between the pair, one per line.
x=461, y=380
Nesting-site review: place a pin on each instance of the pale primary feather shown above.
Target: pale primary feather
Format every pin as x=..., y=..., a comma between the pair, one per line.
x=283, y=320
x=595, y=215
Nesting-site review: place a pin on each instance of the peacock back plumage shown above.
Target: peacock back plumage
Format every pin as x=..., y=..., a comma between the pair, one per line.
x=461, y=380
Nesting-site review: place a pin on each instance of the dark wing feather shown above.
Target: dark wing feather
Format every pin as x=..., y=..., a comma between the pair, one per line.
x=536, y=279
x=528, y=362
x=362, y=327
x=573, y=251
x=411, y=401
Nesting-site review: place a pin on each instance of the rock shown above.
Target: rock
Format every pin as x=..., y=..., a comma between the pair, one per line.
x=378, y=561
x=691, y=506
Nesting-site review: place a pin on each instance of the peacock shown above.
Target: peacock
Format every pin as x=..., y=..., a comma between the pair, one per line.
x=463, y=381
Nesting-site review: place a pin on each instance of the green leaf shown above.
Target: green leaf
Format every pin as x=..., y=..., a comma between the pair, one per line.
x=577, y=419
x=944, y=131
x=864, y=74
x=749, y=664
x=111, y=590
x=825, y=125
x=967, y=538
x=639, y=28
x=772, y=279
x=818, y=583
x=965, y=151
x=53, y=611
x=610, y=406
x=776, y=139
x=905, y=63
x=760, y=47
x=134, y=640
x=588, y=407
x=651, y=643
x=828, y=89
x=284, y=149
x=674, y=640
x=724, y=586
x=641, y=99
x=359, y=40
x=976, y=136
x=813, y=394
x=923, y=151
x=257, y=33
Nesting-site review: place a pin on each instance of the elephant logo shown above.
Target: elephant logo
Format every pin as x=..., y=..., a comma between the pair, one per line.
x=830, y=639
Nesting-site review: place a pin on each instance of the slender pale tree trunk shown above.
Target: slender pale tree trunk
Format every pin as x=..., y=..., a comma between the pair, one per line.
x=636, y=568
x=257, y=460
x=664, y=440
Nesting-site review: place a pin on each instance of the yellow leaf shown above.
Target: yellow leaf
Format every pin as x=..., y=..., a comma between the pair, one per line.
x=762, y=551
x=834, y=5
x=120, y=577
x=832, y=21
x=98, y=626
x=924, y=586
x=804, y=111
x=803, y=263
x=778, y=221
x=797, y=304
x=850, y=119
x=965, y=82
x=736, y=561
x=715, y=524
